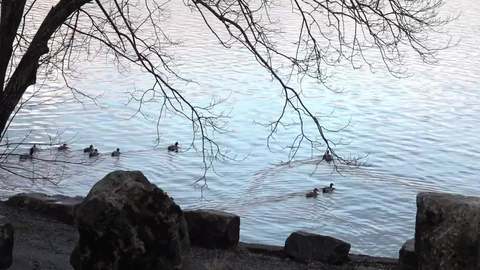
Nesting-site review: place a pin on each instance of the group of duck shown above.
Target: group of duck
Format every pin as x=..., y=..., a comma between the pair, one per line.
x=92, y=152
x=33, y=149
x=328, y=189
x=314, y=193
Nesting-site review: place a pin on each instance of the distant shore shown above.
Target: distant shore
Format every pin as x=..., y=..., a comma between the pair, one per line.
x=44, y=243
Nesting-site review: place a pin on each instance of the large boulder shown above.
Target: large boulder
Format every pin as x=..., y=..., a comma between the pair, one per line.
x=446, y=231
x=308, y=246
x=128, y=223
x=213, y=228
x=408, y=259
x=6, y=243
x=59, y=207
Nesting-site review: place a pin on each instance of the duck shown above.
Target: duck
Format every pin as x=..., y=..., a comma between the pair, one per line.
x=27, y=156
x=328, y=189
x=173, y=147
x=312, y=194
x=116, y=153
x=63, y=147
x=327, y=156
x=88, y=149
x=94, y=153
x=34, y=148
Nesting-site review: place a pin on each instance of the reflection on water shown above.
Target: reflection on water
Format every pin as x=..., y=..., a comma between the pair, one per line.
x=421, y=134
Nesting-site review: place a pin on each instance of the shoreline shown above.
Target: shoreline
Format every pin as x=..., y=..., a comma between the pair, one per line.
x=41, y=241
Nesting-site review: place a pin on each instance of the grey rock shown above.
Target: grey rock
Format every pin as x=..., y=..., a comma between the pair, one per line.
x=408, y=259
x=128, y=223
x=446, y=232
x=213, y=228
x=76, y=258
x=59, y=207
x=367, y=268
x=309, y=246
x=19, y=264
x=6, y=243
x=373, y=260
x=262, y=249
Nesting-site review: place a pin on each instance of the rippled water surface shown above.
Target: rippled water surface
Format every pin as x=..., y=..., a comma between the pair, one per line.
x=422, y=134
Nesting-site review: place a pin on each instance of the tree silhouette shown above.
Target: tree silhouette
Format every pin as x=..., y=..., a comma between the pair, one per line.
x=330, y=33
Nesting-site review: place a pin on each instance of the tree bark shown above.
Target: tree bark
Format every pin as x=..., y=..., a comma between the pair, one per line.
x=26, y=72
x=11, y=16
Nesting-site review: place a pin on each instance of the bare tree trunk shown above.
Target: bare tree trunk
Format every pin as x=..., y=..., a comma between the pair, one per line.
x=25, y=73
x=11, y=16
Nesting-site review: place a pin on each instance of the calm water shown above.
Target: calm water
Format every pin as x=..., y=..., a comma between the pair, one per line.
x=421, y=133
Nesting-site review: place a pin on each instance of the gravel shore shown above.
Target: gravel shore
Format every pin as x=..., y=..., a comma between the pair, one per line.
x=42, y=243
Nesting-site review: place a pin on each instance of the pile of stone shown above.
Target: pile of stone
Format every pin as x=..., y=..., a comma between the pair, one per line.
x=213, y=229
x=408, y=259
x=221, y=230
x=314, y=247
x=126, y=222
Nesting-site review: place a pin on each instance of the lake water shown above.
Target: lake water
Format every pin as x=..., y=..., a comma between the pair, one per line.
x=421, y=134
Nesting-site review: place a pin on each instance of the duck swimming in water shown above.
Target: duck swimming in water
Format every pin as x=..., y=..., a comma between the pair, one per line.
x=173, y=147
x=63, y=147
x=27, y=156
x=34, y=148
x=116, y=153
x=328, y=189
x=88, y=149
x=312, y=194
x=94, y=153
x=327, y=156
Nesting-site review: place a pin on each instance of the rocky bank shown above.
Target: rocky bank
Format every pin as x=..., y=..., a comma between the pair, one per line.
x=43, y=243
x=127, y=223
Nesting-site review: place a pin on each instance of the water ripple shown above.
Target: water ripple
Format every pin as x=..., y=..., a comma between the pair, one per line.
x=421, y=133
